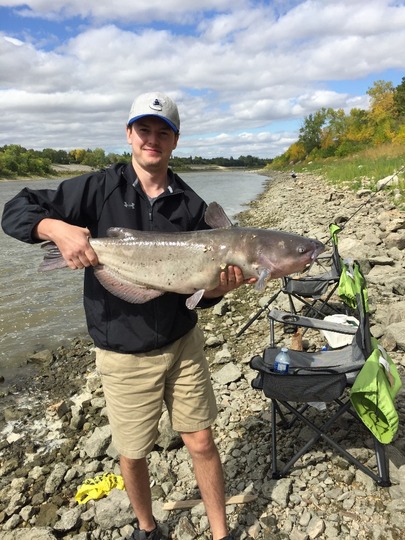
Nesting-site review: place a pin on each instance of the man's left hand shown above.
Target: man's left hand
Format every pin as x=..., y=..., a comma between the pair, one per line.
x=229, y=279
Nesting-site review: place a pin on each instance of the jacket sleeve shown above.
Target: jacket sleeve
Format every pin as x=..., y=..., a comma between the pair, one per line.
x=74, y=201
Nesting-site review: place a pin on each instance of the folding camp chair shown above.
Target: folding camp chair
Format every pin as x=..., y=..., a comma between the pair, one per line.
x=328, y=377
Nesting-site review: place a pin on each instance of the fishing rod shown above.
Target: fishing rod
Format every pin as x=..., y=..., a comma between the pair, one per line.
x=273, y=298
x=396, y=173
x=343, y=225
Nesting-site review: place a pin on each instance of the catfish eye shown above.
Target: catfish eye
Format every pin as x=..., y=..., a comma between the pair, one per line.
x=301, y=249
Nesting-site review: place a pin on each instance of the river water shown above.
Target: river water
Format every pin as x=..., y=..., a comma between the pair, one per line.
x=44, y=310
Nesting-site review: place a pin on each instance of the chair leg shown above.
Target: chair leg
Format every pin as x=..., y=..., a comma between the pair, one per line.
x=274, y=407
x=382, y=464
x=381, y=479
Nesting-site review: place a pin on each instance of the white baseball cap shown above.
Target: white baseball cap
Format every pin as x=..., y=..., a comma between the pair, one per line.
x=155, y=104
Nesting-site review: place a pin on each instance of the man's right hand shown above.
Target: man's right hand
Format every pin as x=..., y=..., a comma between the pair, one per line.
x=72, y=241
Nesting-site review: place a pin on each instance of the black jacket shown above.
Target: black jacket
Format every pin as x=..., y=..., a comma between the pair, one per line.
x=114, y=198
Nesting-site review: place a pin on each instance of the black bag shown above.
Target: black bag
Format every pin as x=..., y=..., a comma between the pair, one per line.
x=301, y=384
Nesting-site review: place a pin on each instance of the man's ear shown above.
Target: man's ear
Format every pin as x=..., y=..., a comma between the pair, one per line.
x=129, y=132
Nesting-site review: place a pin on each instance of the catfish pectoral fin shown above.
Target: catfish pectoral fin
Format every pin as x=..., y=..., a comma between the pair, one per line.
x=134, y=294
x=193, y=300
x=264, y=275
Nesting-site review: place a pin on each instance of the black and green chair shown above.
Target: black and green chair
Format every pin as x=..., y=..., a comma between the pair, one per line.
x=358, y=379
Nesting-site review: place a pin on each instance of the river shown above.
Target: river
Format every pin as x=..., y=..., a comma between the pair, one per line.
x=44, y=310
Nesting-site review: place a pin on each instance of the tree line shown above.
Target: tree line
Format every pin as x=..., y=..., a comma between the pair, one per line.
x=331, y=132
x=16, y=161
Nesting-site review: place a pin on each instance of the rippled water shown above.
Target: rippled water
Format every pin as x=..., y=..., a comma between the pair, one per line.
x=40, y=310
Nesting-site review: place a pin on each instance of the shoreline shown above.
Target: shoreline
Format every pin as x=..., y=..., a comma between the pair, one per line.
x=332, y=496
x=60, y=172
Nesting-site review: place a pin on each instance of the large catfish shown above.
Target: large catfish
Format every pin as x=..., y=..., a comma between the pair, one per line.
x=138, y=266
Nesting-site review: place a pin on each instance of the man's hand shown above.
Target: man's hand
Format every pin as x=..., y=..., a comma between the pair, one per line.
x=72, y=241
x=229, y=279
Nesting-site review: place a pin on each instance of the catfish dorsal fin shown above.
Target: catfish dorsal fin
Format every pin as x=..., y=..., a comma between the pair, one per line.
x=216, y=218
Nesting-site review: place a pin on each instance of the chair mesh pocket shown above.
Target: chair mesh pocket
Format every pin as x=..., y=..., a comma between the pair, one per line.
x=303, y=388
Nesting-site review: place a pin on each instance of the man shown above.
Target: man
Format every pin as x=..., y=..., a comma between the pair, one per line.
x=148, y=353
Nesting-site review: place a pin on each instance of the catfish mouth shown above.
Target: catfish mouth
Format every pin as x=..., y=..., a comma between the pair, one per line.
x=319, y=248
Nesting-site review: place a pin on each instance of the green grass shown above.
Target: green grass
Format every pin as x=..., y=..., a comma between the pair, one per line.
x=363, y=170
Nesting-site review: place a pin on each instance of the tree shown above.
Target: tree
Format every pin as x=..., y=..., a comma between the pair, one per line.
x=95, y=158
x=77, y=155
x=399, y=98
x=296, y=152
x=381, y=100
x=311, y=132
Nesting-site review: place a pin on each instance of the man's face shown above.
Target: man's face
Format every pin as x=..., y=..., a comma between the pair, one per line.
x=152, y=142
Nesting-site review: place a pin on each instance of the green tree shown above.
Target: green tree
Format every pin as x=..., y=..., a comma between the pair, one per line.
x=311, y=132
x=399, y=98
x=95, y=158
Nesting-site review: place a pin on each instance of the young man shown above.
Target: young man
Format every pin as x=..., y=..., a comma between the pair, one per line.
x=148, y=353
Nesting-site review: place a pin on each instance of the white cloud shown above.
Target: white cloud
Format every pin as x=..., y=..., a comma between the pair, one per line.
x=120, y=10
x=240, y=73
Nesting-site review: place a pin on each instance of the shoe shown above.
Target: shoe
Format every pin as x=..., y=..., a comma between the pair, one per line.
x=156, y=534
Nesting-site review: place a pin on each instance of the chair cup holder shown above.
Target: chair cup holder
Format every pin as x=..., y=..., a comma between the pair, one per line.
x=289, y=321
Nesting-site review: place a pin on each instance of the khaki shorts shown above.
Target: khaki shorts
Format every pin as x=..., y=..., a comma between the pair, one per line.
x=136, y=385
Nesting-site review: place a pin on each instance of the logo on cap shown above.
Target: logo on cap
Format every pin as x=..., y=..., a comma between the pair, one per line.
x=156, y=105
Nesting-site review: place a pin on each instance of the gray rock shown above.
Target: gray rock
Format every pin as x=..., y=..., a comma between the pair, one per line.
x=395, y=336
x=168, y=438
x=185, y=530
x=41, y=357
x=96, y=445
x=69, y=520
x=55, y=479
x=114, y=511
x=227, y=374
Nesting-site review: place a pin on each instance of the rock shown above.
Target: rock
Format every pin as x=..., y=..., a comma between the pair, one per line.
x=168, y=438
x=229, y=373
x=41, y=357
x=315, y=527
x=98, y=442
x=114, y=511
x=387, y=181
x=185, y=530
x=396, y=240
x=69, y=520
x=55, y=478
x=48, y=515
x=222, y=307
x=395, y=337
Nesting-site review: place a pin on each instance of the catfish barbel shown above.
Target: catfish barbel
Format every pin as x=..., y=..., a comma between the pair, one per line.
x=138, y=266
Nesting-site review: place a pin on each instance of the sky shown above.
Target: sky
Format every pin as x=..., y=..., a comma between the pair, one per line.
x=244, y=73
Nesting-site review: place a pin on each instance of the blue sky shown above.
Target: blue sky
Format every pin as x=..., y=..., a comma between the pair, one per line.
x=244, y=73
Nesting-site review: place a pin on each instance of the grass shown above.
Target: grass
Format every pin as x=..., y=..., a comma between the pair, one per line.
x=364, y=170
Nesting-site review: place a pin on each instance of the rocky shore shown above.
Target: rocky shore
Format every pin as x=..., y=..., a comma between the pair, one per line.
x=54, y=431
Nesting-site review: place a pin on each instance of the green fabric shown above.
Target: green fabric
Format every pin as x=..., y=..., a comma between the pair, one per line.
x=373, y=394
x=334, y=231
x=352, y=284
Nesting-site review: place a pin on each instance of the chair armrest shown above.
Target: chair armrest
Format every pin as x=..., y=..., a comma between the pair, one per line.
x=307, y=322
